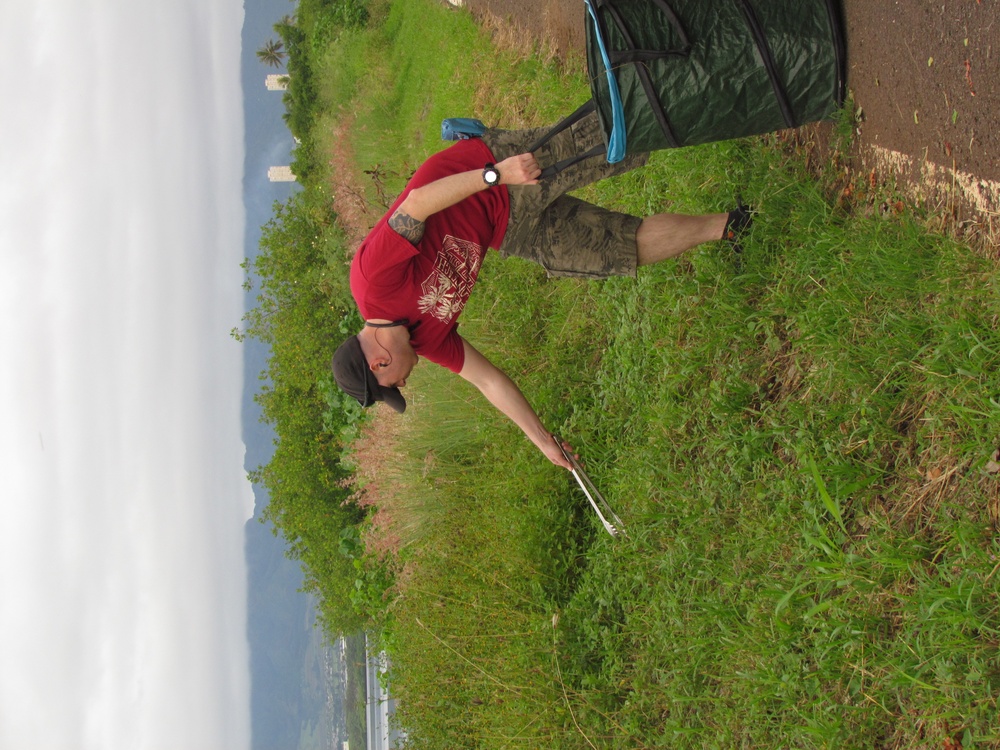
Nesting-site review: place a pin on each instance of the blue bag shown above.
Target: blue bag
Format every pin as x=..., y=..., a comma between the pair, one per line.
x=461, y=128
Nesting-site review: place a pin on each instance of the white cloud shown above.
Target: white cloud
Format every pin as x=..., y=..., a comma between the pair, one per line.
x=123, y=602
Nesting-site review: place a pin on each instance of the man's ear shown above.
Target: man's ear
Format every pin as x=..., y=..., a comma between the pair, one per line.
x=376, y=359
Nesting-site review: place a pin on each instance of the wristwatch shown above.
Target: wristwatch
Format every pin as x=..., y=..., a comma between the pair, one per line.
x=491, y=176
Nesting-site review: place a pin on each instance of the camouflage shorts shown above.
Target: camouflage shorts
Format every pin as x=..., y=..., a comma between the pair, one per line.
x=568, y=236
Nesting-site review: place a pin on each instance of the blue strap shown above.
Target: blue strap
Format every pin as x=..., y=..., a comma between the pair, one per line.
x=616, y=142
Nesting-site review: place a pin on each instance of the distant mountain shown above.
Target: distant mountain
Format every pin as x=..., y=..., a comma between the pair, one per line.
x=289, y=663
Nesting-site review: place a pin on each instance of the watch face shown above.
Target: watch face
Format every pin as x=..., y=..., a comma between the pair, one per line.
x=491, y=176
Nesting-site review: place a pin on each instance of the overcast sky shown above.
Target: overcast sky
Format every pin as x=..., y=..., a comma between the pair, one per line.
x=123, y=599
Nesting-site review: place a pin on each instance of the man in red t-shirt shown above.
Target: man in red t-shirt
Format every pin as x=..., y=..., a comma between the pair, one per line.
x=414, y=271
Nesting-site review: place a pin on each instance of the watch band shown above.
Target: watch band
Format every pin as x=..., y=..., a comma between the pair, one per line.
x=491, y=175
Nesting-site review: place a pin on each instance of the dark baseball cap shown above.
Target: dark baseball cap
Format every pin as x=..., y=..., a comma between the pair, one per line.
x=356, y=379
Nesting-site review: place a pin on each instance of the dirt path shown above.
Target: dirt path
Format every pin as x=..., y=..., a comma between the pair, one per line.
x=922, y=75
x=925, y=77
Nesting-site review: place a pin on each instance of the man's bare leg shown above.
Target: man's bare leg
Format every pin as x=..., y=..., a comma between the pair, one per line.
x=665, y=236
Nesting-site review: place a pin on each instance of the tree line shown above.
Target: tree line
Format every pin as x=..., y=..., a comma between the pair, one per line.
x=303, y=307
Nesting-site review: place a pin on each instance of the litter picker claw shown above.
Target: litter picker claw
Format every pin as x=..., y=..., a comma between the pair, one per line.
x=599, y=504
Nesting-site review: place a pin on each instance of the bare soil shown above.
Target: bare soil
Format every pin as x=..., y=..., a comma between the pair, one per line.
x=922, y=77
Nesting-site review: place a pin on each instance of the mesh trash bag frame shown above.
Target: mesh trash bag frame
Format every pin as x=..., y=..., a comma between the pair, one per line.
x=672, y=73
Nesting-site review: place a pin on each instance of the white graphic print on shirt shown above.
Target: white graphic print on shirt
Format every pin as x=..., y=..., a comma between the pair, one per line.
x=447, y=289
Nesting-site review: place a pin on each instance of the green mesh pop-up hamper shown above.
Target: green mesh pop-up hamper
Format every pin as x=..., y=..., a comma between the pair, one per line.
x=670, y=73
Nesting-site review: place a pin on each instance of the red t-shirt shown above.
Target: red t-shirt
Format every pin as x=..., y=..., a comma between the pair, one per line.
x=429, y=283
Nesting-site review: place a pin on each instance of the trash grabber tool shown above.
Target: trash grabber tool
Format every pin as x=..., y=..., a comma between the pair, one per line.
x=615, y=529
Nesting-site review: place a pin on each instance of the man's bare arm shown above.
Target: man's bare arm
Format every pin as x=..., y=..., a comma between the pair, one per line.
x=410, y=229
x=409, y=217
x=504, y=394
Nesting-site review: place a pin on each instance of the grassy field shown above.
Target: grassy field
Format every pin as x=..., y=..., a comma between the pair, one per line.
x=802, y=447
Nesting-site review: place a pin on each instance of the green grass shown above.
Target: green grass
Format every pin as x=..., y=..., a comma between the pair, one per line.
x=797, y=445
x=399, y=79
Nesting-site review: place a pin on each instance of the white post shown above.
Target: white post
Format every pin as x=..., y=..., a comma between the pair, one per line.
x=280, y=174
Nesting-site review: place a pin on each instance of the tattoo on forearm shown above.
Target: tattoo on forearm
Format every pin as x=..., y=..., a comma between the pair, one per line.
x=410, y=229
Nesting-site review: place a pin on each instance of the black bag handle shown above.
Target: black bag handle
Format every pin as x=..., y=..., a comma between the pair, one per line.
x=571, y=119
x=553, y=169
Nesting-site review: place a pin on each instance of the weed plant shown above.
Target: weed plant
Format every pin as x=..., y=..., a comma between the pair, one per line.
x=800, y=441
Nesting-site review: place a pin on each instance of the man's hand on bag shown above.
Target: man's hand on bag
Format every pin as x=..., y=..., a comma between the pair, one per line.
x=521, y=169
